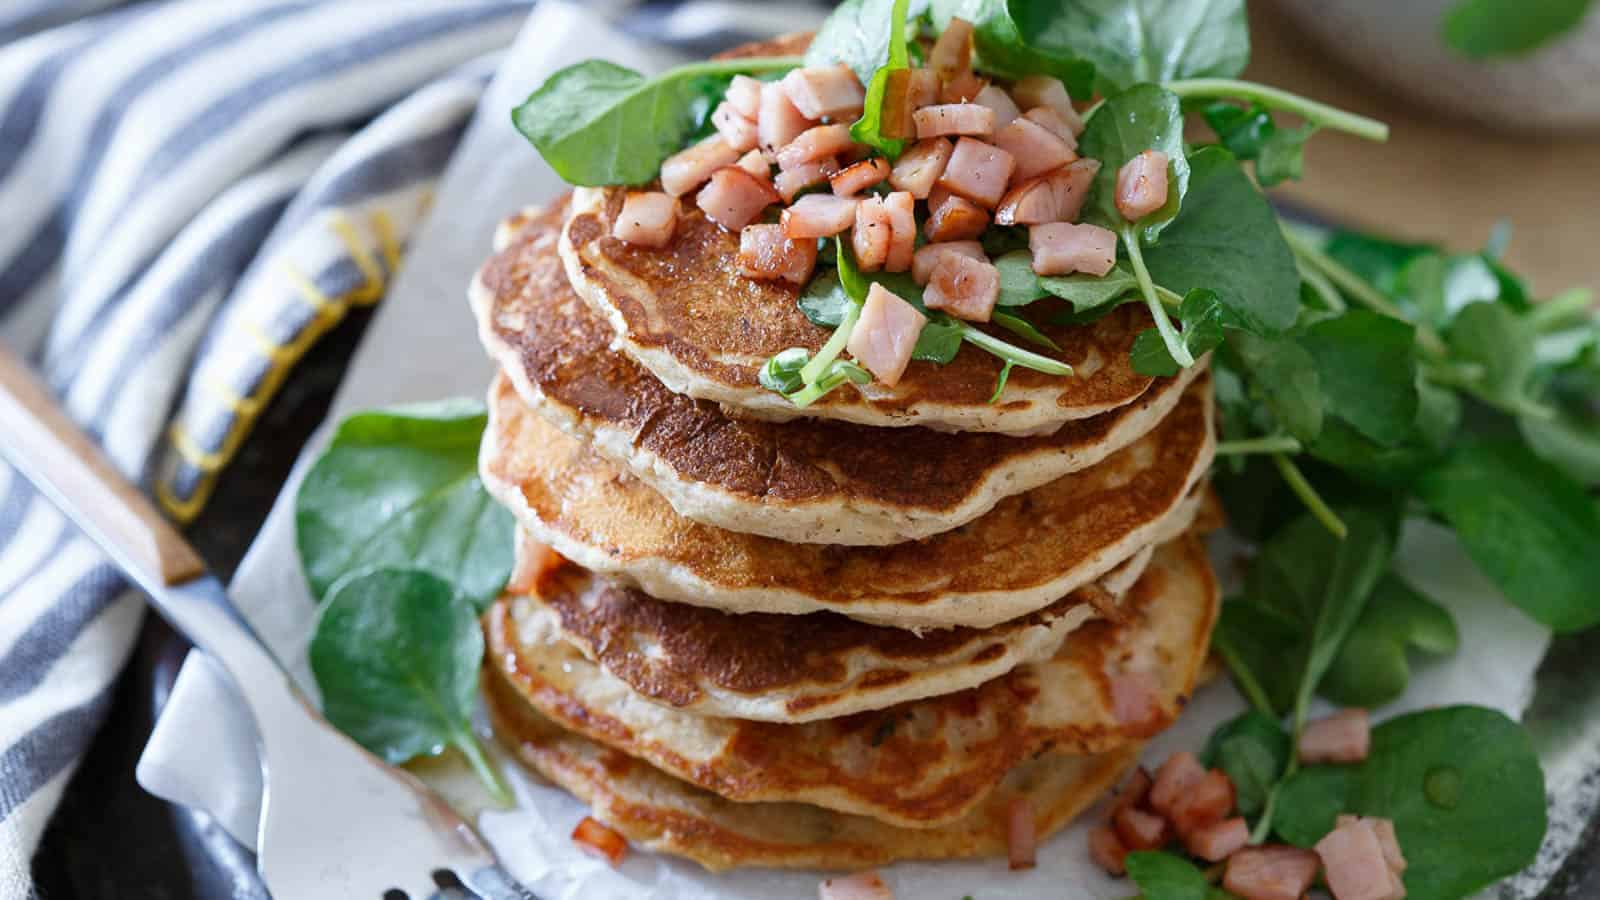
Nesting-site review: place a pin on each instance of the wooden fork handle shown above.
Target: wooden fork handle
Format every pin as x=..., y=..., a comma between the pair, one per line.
x=39, y=439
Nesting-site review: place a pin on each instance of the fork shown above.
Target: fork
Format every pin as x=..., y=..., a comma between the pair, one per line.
x=336, y=821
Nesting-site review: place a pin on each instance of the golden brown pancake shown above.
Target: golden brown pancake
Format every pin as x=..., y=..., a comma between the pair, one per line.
x=916, y=765
x=807, y=480
x=658, y=812
x=1029, y=551
x=778, y=668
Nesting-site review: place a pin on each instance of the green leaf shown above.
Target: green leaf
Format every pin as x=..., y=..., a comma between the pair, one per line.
x=1248, y=132
x=1377, y=260
x=1253, y=749
x=869, y=128
x=1283, y=156
x=1570, y=441
x=400, y=487
x=939, y=341
x=1529, y=527
x=1492, y=336
x=1260, y=646
x=1282, y=376
x=1004, y=50
x=1462, y=785
x=781, y=374
x=1087, y=293
x=1024, y=329
x=1226, y=239
x=1486, y=29
x=396, y=654
x=1019, y=284
x=1164, y=876
x=824, y=300
x=598, y=123
x=1438, y=287
x=1133, y=41
x=1367, y=372
x=860, y=33
x=1372, y=668
x=1203, y=319
x=1144, y=117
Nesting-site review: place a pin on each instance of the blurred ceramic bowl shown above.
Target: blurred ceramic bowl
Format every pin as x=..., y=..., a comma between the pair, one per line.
x=1397, y=42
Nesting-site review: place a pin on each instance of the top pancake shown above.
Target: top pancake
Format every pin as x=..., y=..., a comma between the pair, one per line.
x=809, y=481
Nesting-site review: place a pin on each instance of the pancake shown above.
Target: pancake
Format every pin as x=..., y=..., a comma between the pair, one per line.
x=658, y=812
x=778, y=668
x=916, y=765
x=807, y=481
x=1029, y=551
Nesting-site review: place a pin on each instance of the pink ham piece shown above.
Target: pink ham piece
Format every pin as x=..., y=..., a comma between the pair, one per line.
x=818, y=215
x=1343, y=737
x=744, y=95
x=1061, y=248
x=964, y=88
x=922, y=89
x=894, y=115
x=1055, y=197
x=1133, y=793
x=814, y=144
x=995, y=98
x=978, y=172
x=646, y=219
x=1219, y=840
x=1139, y=829
x=1022, y=835
x=1271, y=872
x=766, y=253
x=1206, y=802
x=871, y=237
x=1384, y=828
x=928, y=256
x=689, y=168
x=885, y=334
x=964, y=287
x=951, y=55
x=756, y=164
x=858, y=177
x=825, y=91
x=860, y=886
x=1354, y=865
x=1055, y=123
x=1134, y=701
x=598, y=840
x=1177, y=775
x=919, y=167
x=777, y=121
x=738, y=131
x=902, y=209
x=952, y=218
x=1035, y=148
x=1042, y=90
x=790, y=182
x=953, y=119
x=1106, y=849
x=735, y=198
x=1142, y=185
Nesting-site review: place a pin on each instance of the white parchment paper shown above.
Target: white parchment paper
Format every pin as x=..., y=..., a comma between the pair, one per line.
x=422, y=346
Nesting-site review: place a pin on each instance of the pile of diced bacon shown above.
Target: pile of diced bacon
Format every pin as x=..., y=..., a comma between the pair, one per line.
x=1183, y=802
x=980, y=154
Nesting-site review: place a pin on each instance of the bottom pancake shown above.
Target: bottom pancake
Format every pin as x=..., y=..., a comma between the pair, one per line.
x=656, y=811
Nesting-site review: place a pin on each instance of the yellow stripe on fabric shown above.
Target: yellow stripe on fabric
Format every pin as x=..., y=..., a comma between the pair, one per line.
x=368, y=293
x=228, y=397
x=383, y=227
x=191, y=452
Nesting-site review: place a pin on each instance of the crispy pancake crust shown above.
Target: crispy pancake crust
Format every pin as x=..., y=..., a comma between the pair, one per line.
x=1026, y=553
x=915, y=765
x=656, y=811
x=805, y=481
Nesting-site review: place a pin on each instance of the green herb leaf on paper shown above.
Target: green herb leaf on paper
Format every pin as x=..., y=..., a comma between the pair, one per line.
x=1253, y=749
x=1373, y=668
x=1166, y=876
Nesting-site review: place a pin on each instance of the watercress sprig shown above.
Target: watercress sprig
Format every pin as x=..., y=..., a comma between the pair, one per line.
x=869, y=128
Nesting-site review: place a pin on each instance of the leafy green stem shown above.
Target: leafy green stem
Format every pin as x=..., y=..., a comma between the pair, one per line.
x=818, y=366
x=1013, y=354
x=1171, y=298
x=1359, y=290
x=1158, y=311
x=1272, y=443
x=740, y=66
x=1308, y=495
x=1321, y=286
x=1244, y=678
x=1469, y=377
x=1561, y=310
x=468, y=744
x=1273, y=98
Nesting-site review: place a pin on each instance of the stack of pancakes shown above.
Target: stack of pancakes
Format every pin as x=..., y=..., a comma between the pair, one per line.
x=869, y=630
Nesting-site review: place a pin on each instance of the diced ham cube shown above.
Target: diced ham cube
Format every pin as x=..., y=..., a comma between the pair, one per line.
x=860, y=886
x=952, y=52
x=1219, y=840
x=1177, y=775
x=953, y=218
x=964, y=287
x=886, y=334
x=756, y=164
x=995, y=98
x=1035, y=148
x=1390, y=841
x=600, y=841
x=1106, y=849
x=1133, y=793
x=1142, y=185
x=978, y=172
x=1053, y=197
x=923, y=89
x=738, y=131
x=928, y=255
x=646, y=219
x=873, y=232
x=790, y=182
x=1022, y=835
x=1140, y=830
x=744, y=95
x=1056, y=124
x=1353, y=863
x=920, y=167
x=1272, y=872
x=825, y=91
x=735, y=198
x=1343, y=737
x=689, y=168
x=954, y=118
x=857, y=178
x=818, y=215
x=765, y=252
x=1206, y=802
x=963, y=88
x=894, y=116
x=778, y=121
x=1042, y=90
x=814, y=144
x=902, y=231
x=1135, y=700
x=1061, y=248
